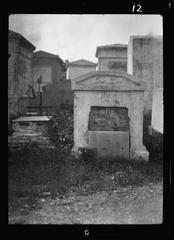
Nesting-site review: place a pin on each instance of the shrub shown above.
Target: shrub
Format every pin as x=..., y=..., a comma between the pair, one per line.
x=61, y=127
x=154, y=142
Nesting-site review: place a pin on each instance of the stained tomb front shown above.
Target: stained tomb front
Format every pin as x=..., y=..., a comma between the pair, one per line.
x=124, y=122
x=109, y=131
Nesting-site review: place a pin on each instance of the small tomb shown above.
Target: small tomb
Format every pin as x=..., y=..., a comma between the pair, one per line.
x=30, y=129
x=108, y=114
x=31, y=125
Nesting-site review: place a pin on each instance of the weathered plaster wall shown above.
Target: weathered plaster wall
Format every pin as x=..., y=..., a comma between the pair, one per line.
x=145, y=61
x=57, y=91
x=157, y=110
x=19, y=69
x=44, y=71
x=83, y=100
x=75, y=71
x=50, y=68
x=29, y=132
x=112, y=59
x=110, y=144
x=19, y=74
x=54, y=95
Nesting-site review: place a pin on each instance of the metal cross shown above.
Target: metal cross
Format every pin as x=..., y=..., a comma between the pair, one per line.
x=39, y=81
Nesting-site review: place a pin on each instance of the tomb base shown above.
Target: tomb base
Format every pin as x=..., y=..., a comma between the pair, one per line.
x=140, y=155
x=75, y=152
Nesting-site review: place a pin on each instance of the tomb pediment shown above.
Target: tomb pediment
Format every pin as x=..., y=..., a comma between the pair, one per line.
x=108, y=81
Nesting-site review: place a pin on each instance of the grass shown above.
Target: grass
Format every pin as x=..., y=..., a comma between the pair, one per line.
x=32, y=172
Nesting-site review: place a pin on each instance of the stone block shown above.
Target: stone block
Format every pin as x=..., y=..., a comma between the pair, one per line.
x=31, y=129
x=108, y=119
x=110, y=144
x=112, y=57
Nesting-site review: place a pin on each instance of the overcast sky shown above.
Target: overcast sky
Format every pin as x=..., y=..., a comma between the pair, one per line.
x=74, y=37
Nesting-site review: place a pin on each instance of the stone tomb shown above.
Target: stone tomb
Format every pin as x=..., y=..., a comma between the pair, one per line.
x=30, y=129
x=108, y=114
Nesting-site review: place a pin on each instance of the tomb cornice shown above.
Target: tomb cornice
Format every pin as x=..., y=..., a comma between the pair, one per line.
x=107, y=81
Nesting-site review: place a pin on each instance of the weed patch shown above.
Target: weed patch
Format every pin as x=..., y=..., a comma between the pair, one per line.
x=34, y=172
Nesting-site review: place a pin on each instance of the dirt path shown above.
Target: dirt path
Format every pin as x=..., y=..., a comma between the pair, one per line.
x=140, y=205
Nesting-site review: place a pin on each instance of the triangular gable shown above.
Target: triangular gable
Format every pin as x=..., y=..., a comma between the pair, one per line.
x=109, y=81
x=43, y=54
x=83, y=62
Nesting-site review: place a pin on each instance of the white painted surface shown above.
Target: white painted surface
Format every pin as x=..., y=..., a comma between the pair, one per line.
x=75, y=71
x=124, y=91
x=145, y=61
x=157, y=110
x=32, y=119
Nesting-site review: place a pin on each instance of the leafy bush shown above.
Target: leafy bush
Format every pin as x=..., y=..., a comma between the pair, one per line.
x=61, y=128
x=154, y=142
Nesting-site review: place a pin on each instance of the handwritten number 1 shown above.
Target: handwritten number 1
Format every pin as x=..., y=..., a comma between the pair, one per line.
x=86, y=232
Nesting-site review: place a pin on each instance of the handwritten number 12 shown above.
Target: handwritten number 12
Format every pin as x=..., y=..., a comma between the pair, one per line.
x=136, y=8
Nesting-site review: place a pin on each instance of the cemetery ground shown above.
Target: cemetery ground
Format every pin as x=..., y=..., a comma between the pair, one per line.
x=49, y=187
